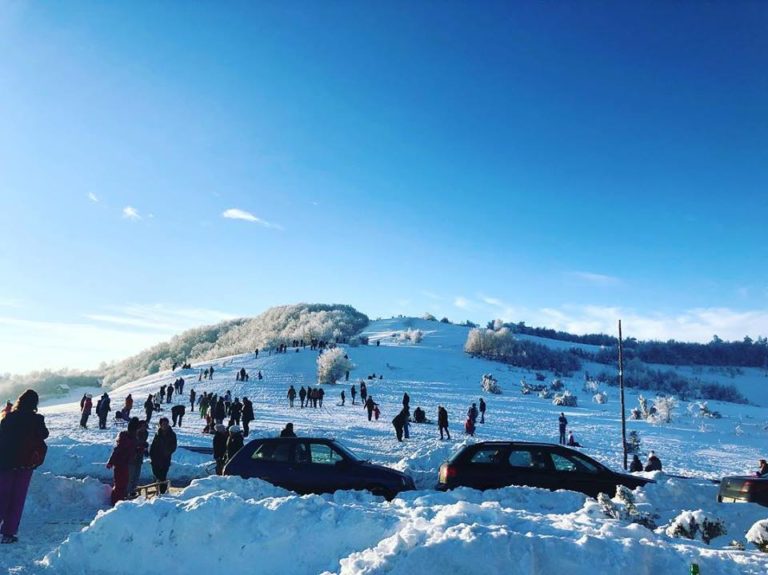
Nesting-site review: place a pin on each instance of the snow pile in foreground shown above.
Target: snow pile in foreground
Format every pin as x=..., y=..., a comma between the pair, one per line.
x=228, y=522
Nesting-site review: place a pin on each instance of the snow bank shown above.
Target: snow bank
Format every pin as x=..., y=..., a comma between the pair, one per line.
x=228, y=523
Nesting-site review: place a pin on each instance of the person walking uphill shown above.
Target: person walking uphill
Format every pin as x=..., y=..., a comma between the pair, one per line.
x=562, y=423
x=22, y=449
x=163, y=446
x=123, y=456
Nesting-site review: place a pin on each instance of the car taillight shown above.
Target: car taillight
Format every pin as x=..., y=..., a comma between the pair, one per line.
x=447, y=472
x=754, y=486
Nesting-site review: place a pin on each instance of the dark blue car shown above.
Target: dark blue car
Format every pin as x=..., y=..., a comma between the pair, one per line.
x=314, y=465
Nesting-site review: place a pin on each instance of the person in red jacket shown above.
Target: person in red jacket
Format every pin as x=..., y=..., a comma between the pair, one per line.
x=123, y=455
x=86, y=405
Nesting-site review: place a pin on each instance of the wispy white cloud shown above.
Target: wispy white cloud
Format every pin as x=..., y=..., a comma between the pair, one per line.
x=462, y=302
x=238, y=214
x=160, y=317
x=131, y=213
x=93, y=197
x=432, y=295
x=595, y=279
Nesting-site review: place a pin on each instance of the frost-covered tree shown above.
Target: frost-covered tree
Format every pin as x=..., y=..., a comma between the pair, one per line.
x=332, y=365
x=413, y=335
x=758, y=535
x=498, y=324
x=665, y=407
x=428, y=316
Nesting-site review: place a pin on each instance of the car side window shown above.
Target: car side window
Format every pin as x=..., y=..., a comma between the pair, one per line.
x=520, y=458
x=273, y=451
x=572, y=463
x=487, y=456
x=324, y=454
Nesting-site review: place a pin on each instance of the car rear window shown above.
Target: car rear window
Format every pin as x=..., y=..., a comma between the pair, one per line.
x=273, y=451
x=488, y=456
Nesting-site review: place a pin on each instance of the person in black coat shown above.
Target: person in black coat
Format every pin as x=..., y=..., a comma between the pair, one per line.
x=653, y=463
x=149, y=407
x=369, y=405
x=635, y=464
x=22, y=449
x=177, y=414
x=160, y=452
x=562, y=422
x=302, y=395
x=219, y=411
x=235, y=441
x=220, y=447
x=247, y=415
x=442, y=421
x=482, y=410
x=399, y=422
x=406, y=400
x=102, y=410
x=288, y=431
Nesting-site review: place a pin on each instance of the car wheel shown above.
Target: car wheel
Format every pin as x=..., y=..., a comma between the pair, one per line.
x=381, y=492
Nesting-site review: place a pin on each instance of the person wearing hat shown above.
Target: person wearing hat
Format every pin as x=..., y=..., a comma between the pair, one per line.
x=234, y=441
x=288, y=431
x=160, y=452
x=653, y=463
x=86, y=405
x=220, y=447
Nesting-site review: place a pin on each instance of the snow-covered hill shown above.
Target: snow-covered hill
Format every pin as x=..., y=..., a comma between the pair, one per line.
x=220, y=523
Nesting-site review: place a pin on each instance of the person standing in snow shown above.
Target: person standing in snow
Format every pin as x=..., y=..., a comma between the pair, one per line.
x=442, y=421
x=482, y=410
x=149, y=406
x=653, y=463
x=343, y=397
x=160, y=452
x=635, y=464
x=122, y=457
x=320, y=396
x=102, y=410
x=288, y=431
x=406, y=400
x=369, y=405
x=353, y=391
x=192, y=396
x=247, y=415
x=472, y=413
x=302, y=395
x=168, y=394
x=363, y=392
x=220, y=447
x=134, y=468
x=22, y=449
x=562, y=423
x=235, y=441
x=86, y=405
x=219, y=411
x=291, y=395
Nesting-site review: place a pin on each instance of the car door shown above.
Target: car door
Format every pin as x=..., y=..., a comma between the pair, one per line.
x=321, y=468
x=578, y=473
x=530, y=466
x=273, y=461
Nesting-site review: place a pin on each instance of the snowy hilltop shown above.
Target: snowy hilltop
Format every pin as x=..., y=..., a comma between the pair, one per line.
x=211, y=523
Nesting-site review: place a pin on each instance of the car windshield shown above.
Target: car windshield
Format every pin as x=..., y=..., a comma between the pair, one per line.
x=346, y=452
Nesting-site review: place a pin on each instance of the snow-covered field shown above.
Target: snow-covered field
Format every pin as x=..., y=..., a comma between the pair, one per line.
x=225, y=523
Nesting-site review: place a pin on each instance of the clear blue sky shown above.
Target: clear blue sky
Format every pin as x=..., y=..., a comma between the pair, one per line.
x=563, y=164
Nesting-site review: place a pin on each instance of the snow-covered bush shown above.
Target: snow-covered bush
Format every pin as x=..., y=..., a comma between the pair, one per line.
x=626, y=508
x=332, y=365
x=566, y=399
x=557, y=385
x=498, y=324
x=414, y=335
x=591, y=386
x=428, y=316
x=758, y=535
x=704, y=411
x=600, y=397
x=633, y=442
x=694, y=525
x=545, y=394
x=490, y=384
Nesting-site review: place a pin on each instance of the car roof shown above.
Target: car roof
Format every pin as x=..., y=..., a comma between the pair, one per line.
x=262, y=439
x=515, y=442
